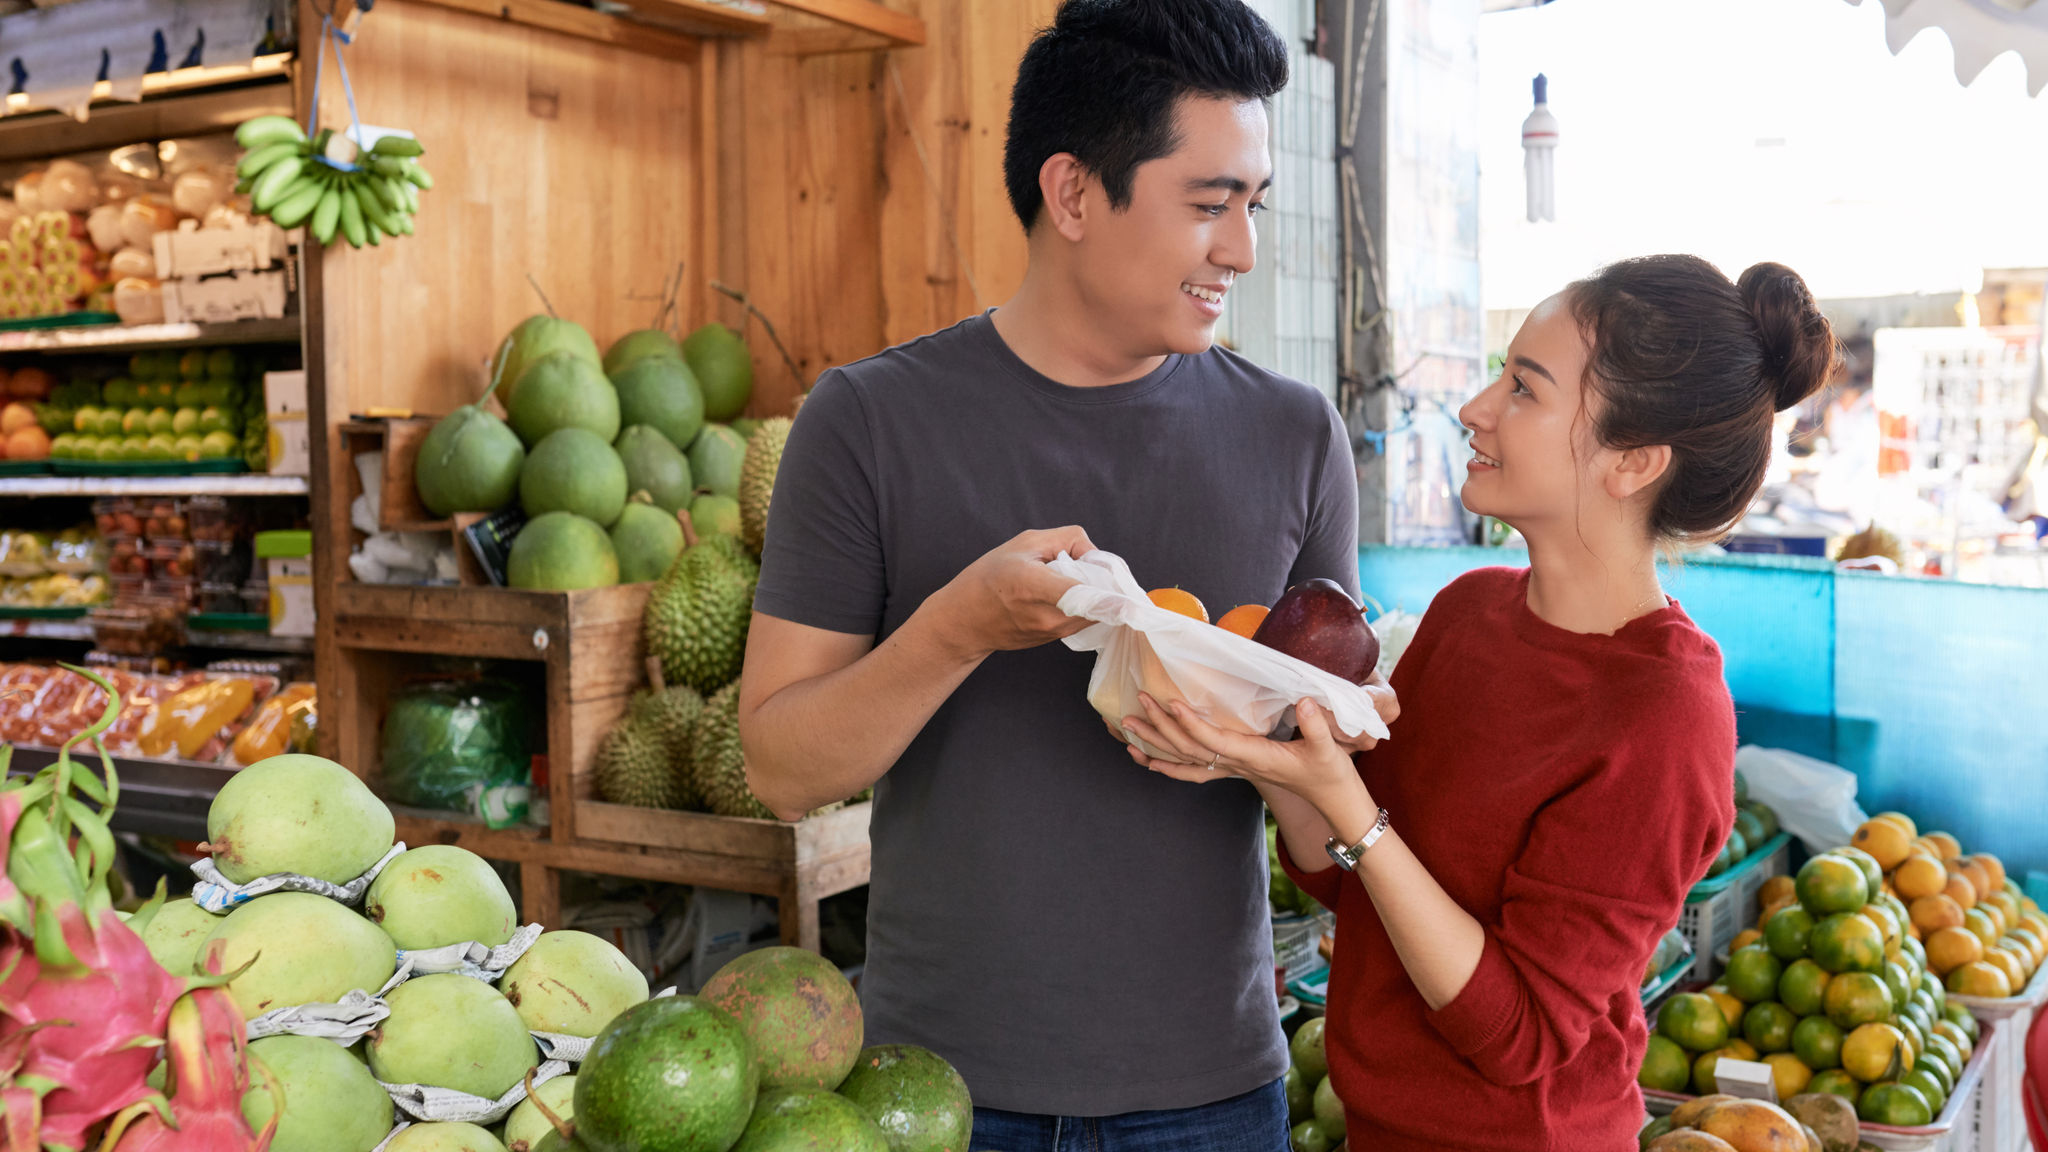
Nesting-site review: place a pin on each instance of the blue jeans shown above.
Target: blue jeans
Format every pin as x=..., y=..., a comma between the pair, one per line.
x=1253, y=1122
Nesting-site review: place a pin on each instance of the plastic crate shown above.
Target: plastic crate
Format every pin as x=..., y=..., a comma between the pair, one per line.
x=2001, y=1120
x=1952, y=1131
x=1716, y=910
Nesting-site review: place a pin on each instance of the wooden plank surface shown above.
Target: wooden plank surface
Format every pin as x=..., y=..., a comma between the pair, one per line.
x=612, y=30
x=554, y=156
x=901, y=28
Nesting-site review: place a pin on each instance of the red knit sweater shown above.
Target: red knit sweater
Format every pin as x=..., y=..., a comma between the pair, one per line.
x=1566, y=790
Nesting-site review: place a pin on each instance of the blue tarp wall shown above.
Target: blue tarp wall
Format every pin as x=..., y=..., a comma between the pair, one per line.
x=1934, y=693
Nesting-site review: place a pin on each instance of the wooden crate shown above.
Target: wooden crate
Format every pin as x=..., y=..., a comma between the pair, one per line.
x=797, y=864
x=588, y=640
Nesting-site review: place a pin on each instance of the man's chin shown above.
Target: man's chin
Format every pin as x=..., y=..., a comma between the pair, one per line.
x=1192, y=343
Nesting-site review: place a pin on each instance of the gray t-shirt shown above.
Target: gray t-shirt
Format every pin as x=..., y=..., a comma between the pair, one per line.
x=1077, y=935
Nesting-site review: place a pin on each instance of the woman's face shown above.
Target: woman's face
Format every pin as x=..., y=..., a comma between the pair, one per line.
x=1534, y=458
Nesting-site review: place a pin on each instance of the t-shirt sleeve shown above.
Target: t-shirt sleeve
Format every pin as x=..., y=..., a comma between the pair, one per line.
x=822, y=563
x=1600, y=880
x=1329, y=547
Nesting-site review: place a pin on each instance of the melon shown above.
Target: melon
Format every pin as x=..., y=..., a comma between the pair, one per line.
x=572, y=983
x=331, y=1103
x=439, y=894
x=919, y=1101
x=299, y=948
x=715, y=459
x=647, y=541
x=638, y=345
x=299, y=814
x=469, y=462
x=654, y=466
x=661, y=393
x=452, y=1031
x=533, y=338
x=798, y=1010
x=670, y=1075
x=723, y=367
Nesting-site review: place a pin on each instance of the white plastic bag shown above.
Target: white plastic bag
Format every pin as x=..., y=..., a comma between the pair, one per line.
x=1814, y=800
x=1233, y=682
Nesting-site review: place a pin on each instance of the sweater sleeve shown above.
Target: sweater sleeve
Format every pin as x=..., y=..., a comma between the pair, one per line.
x=1601, y=878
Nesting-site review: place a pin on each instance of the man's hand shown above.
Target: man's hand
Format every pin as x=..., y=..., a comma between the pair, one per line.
x=1009, y=599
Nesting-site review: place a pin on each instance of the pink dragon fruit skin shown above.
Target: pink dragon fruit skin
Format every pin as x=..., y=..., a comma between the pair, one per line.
x=209, y=1073
x=97, y=1024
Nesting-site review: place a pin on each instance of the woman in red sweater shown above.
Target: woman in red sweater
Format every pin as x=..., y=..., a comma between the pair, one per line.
x=1562, y=768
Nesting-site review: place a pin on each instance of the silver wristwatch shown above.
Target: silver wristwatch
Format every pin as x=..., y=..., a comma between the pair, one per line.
x=1347, y=858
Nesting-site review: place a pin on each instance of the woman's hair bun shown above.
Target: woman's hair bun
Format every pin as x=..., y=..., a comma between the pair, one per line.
x=1798, y=342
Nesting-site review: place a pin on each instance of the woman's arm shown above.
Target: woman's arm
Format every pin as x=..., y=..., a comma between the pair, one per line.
x=1315, y=793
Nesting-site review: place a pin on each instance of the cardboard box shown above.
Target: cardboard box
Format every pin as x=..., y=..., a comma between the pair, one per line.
x=193, y=251
x=289, y=558
x=284, y=406
x=284, y=393
x=221, y=299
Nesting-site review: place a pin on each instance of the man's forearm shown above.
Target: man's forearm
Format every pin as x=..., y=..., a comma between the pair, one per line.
x=823, y=739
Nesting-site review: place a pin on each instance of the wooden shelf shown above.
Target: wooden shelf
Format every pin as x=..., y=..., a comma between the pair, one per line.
x=243, y=484
x=140, y=337
x=797, y=864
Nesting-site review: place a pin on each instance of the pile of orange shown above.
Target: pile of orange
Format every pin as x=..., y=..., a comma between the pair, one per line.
x=1243, y=619
x=1983, y=936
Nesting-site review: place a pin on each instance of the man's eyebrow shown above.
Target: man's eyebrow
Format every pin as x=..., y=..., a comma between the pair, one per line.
x=1231, y=184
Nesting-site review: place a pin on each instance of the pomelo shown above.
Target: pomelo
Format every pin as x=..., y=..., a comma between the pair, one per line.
x=561, y=551
x=574, y=470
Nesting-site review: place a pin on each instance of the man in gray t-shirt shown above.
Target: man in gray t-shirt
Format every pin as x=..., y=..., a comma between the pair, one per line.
x=1086, y=941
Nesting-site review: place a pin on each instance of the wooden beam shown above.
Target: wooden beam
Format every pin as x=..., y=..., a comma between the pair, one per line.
x=584, y=24
x=901, y=28
x=698, y=18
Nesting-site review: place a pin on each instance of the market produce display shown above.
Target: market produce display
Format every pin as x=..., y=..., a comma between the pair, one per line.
x=202, y=405
x=64, y=569
x=327, y=183
x=231, y=718
x=1843, y=986
x=80, y=238
x=606, y=455
x=1755, y=825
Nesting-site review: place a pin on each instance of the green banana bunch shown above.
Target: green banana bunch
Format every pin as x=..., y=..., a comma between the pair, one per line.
x=288, y=179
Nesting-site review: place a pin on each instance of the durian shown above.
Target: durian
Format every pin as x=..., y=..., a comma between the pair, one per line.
x=717, y=765
x=633, y=767
x=696, y=621
x=757, y=479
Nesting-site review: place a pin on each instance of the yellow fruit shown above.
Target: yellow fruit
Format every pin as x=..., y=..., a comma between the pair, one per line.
x=1744, y=939
x=1950, y=1031
x=1904, y=822
x=1887, y=924
x=1829, y=884
x=2008, y=917
x=1979, y=922
x=1790, y=1072
x=1919, y=876
x=1952, y=948
x=1994, y=866
x=1887, y=842
x=1853, y=999
x=1945, y=845
x=1770, y=908
x=1754, y=1126
x=1777, y=889
x=1980, y=979
x=2037, y=945
x=1693, y=1111
x=1179, y=600
x=1959, y=889
x=1694, y=1021
x=2006, y=962
x=1731, y=1007
x=1876, y=1052
x=1933, y=913
x=1978, y=876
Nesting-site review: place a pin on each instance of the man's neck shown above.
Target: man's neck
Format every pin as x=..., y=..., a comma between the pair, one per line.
x=1053, y=331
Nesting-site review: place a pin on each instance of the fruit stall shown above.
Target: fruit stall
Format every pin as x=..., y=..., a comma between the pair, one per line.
x=798, y=196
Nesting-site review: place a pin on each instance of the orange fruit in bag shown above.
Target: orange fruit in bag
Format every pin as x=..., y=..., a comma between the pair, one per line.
x=1179, y=600
x=1244, y=619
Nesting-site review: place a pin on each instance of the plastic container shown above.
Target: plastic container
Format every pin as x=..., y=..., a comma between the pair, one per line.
x=211, y=518
x=116, y=516
x=126, y=589
x=181, y=592
x=216, y=597
x=216, y=561
x=163, y=517
x=256, y=597
x=2001, y=1119
x=288, y=556
x=172, y=559
x=1717, y=909
x=127, y=556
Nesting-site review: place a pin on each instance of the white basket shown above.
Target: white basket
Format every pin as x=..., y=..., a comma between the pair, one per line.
x=2001, y=1119
x=1296, y=940
x=1712, y=924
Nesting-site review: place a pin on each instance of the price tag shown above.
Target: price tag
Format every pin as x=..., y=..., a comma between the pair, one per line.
x=1746, y=1079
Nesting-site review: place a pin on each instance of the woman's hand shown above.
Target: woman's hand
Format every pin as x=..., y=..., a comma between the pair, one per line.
x=1313, y=766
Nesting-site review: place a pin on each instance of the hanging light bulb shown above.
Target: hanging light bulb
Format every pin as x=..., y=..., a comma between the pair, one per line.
x=1539, y=155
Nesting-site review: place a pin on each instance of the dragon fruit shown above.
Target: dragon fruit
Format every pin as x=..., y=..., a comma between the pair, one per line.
x=207, y=1081
x=84, y=1008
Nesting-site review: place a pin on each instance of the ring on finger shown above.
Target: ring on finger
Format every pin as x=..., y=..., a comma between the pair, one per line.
x=1213, y=759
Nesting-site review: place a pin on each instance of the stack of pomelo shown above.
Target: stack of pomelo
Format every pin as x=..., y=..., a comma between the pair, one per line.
x=1832, y=992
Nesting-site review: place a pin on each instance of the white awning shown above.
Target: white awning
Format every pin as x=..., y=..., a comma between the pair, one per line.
x=1979, y=30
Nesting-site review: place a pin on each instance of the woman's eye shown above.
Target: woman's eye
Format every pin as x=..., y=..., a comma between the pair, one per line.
x=1520, y=388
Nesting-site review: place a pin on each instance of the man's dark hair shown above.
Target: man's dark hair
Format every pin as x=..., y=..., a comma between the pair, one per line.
x=1105, y=80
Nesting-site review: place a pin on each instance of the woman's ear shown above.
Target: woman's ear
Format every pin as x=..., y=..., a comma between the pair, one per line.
x=1063, y=184
x=1637, y=469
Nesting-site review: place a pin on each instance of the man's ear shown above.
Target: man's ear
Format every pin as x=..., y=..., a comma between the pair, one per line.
x=1637, y=469
x=1063, y=183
